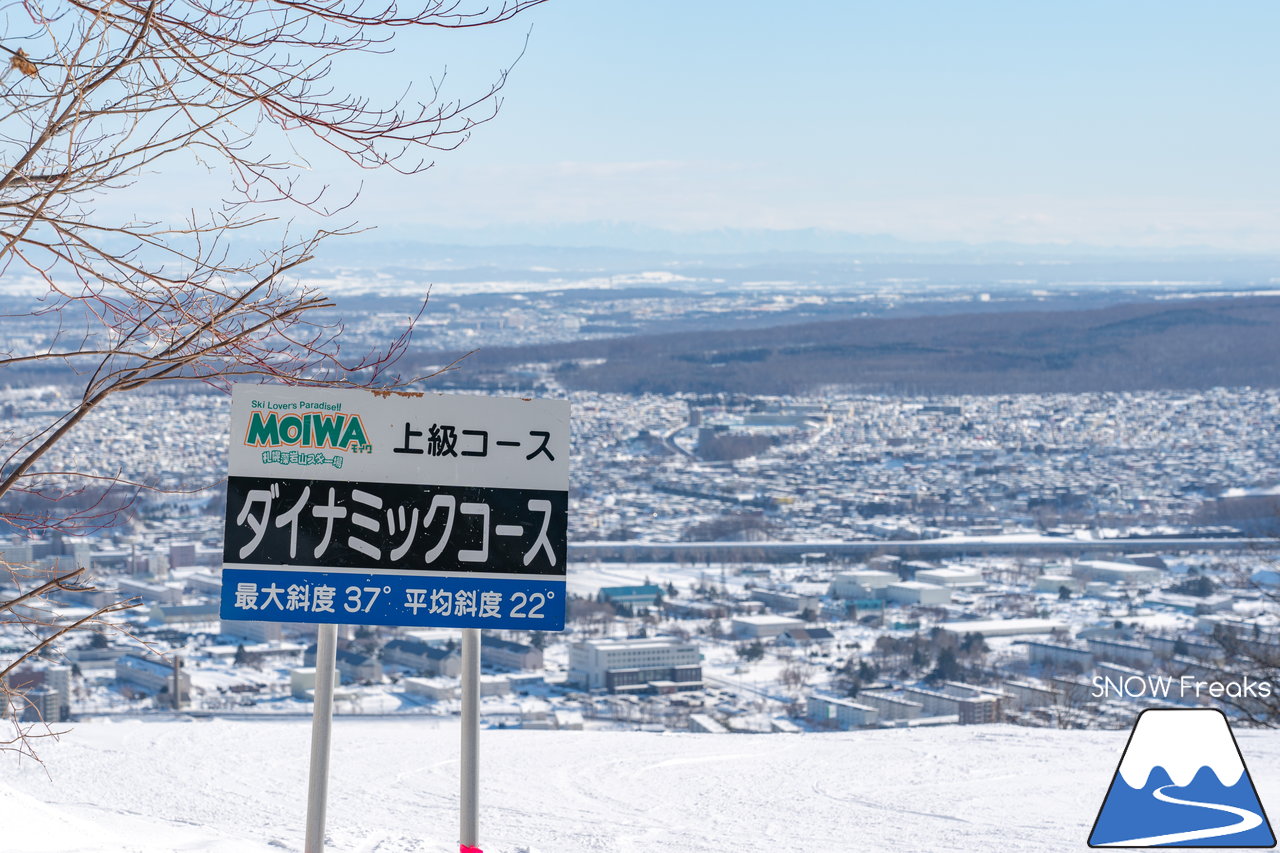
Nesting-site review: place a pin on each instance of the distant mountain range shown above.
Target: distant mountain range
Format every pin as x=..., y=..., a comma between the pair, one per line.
x=744, y=241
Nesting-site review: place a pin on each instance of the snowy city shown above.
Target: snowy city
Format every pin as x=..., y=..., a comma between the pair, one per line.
x=743, y=564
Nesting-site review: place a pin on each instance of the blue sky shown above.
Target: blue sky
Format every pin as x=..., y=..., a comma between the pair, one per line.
x=1135, y=123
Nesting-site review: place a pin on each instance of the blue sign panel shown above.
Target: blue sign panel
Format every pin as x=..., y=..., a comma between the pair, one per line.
x=426, y=601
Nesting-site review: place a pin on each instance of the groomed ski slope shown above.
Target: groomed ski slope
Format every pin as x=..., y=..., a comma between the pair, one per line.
x=222, y=786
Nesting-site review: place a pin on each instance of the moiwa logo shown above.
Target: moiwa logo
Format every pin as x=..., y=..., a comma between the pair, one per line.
x=308, y=427
x=1182, y=782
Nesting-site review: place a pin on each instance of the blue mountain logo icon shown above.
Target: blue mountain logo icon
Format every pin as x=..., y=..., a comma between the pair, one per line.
x=1182, y=782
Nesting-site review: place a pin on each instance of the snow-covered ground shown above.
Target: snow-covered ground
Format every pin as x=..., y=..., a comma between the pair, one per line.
x=227, y=786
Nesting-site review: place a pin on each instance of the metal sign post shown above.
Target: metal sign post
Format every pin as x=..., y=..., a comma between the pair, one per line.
x=470, y=773
x=321, y=728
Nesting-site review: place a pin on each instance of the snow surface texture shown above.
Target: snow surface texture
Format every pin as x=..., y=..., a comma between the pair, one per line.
x=225, y=786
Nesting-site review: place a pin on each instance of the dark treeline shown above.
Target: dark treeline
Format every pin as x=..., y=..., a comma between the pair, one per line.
x=1189, y=344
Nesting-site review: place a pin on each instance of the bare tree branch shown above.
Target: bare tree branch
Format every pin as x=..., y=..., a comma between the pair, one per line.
x=95, y=95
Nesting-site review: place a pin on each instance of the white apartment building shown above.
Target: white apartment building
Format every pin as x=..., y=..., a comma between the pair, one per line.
x=951, y=576
x=891, y=707
x=917, y=592
x=763, y=626
x=655, y=664
x=839, y=713
x=1110, y=571
x=867, y=583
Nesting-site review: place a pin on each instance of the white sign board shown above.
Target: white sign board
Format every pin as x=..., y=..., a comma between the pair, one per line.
x=376, y=508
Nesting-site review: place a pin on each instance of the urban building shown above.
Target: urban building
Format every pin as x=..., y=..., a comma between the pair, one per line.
x=1058, y=656
x=1117, y=651
x=868, y=583
x=1111, y=571
x=423, y=658
x=506, y=654
x=659, y=664
x=357, y=667
x=979, y=709
x=152, y=675
x=834, y=712
x=890, y=707
x=934, y=703
x=952, y=577
x=43, y=705
x=1004, y=627
x=783, y=602
x=631, y=597
x=1025, y=694
x=917, y=592
x=806, y=637
x=762, y=627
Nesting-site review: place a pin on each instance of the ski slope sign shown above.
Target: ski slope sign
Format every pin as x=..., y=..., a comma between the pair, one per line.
x=1182, y=782
x=366, y=508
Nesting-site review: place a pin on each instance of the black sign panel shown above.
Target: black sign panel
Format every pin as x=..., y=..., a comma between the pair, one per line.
x=395, y=526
